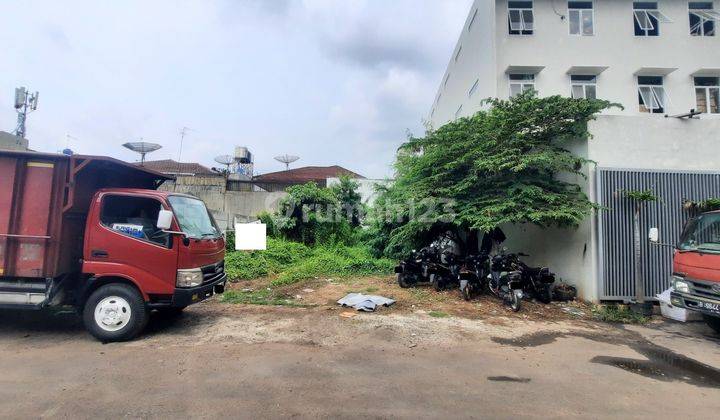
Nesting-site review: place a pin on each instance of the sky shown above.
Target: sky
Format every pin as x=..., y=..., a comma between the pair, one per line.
x=334, y=82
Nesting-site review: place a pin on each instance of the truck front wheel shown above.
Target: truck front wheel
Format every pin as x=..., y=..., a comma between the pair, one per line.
x=115, y=312
x=713, y=322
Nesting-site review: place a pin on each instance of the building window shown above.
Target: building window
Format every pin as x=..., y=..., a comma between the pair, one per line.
x=472, y=20
x=702, y=18
x=707, y=94
x=457, y=54
x=647, y=18
x=473, y=88
x=580, y=17
x=584, y=87
x=521, y=20
x=447, y=78
x=651, y=94
x=520, y=83
x=457, y=113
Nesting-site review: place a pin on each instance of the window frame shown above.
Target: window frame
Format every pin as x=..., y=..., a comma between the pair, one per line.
x=472, y=20
x=654, y=17
x=583, y=84
x=473, y=88
x=103, y=225
x=703, y=19
x=706, y=90
x=653, y=89
x=523, y=83
x=458, y=111
x=523, y=31
x=580, y=17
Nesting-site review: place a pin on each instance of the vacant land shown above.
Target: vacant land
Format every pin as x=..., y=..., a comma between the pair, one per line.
x=430, y=356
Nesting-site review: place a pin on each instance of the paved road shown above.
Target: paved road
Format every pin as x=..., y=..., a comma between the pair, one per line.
x=220, y=361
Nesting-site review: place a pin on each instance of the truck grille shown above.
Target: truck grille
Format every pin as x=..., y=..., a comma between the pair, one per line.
x=703, y=288
x=213, y=272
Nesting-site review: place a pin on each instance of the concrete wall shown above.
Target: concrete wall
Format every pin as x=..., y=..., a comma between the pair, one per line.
x=228, y=207
x=12, y=142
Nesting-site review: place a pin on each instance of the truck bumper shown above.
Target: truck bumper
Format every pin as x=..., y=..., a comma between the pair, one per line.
x=703, y=305
x=184, y=297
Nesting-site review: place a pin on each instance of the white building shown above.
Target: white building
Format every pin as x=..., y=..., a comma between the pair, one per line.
x=655, y=58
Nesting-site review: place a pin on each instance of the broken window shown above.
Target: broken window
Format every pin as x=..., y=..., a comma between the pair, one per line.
x=651, y=94
x=521, y=20
x=580, y=17
x=583, y=87
x=707, y=95
x=647, y=18
x=520, y=83
x=135, y=217
x=702, y=18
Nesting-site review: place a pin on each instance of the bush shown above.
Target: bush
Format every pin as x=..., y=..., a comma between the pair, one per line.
x=618, y=314
x=293, y=262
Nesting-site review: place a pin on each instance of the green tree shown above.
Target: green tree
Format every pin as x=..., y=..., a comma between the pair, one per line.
x=349, y=200
x=501, y=165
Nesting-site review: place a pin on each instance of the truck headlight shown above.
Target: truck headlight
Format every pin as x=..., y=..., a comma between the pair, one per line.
x=680, y=285
x=189, y=278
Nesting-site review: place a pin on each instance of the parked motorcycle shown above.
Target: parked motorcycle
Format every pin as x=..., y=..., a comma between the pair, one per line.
x=414, y=269
x=504, y=282
x=537, y=281
x=473, y=275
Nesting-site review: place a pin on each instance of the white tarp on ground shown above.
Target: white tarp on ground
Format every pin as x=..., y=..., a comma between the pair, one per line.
x=366, y=303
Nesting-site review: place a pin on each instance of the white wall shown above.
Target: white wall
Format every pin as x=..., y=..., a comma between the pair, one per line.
x=488, y=51
x=476, y=62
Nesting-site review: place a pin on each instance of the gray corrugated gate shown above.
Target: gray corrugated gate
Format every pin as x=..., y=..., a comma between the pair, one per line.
x=616, y=257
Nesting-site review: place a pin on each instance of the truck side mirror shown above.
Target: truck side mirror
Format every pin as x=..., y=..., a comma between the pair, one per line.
x=164, y=220
x=654, y=235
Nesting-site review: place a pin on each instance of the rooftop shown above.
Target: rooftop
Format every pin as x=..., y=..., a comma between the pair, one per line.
x=169, y=166
x=307, y=174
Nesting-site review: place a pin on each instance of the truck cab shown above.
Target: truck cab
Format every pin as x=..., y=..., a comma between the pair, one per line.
x=95, y=233
x=696, y=268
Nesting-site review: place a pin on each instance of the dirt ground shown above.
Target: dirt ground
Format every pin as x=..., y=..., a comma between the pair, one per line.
x=221, y=360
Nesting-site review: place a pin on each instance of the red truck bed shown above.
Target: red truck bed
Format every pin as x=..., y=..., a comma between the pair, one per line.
x=44, y=200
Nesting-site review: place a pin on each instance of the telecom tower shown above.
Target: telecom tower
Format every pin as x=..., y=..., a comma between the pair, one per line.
x=24, y=104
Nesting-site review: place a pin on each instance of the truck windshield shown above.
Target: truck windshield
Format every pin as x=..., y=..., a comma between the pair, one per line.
x=194, y=218
x=702, y=234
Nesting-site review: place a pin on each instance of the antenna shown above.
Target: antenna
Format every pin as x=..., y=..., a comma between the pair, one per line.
x=287, y=160
x=24, y=104
x=143, y=148
x=226, y=160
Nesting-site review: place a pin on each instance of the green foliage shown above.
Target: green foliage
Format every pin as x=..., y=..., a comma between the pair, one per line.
x=640, y=195
x=438, y=314
x=293, y=261
x=257, y=297
x=314, y=215
x=506, y=164
x=349, y=199
x=230, y=241
x=618, y=314
x=695, y=208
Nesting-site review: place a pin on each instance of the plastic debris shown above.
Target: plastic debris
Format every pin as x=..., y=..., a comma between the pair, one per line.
x=365, y=303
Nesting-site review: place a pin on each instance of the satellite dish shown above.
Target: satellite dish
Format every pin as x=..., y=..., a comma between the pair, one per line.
x=224, y=159
x=287, y=160
x=142, y=147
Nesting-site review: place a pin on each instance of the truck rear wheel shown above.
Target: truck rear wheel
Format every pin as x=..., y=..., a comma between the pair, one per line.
x=713, y=322
x=115, y=312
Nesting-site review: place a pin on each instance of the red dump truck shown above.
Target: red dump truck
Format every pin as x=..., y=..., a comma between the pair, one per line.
x=696, y=267
x=93, y=232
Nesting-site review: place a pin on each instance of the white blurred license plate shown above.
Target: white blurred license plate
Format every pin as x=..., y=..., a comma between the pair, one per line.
x=714, y=307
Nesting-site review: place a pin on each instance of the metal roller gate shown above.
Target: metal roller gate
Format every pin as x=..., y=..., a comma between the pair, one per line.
x=615, y=228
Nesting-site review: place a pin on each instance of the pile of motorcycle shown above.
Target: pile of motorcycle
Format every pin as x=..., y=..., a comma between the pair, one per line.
x=502, y=275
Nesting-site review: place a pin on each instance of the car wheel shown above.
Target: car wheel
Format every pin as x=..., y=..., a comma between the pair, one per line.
x=115, y=312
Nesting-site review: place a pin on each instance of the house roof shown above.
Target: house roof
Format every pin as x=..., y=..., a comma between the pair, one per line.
x=169, y=166
x=307, y=174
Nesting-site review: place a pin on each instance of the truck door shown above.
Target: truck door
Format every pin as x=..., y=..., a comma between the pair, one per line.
x=125, y=240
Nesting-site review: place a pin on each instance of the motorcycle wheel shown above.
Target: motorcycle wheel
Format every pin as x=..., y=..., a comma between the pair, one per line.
x=437, y=284
x=402, y=281
x=545, y=294
x=515, y=301
x=466, y=292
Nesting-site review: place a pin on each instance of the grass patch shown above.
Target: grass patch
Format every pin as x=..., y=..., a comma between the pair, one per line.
x=371, y=289
x=257, y=297
x=438, y=314
x=618, y=314
x=292, y=262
